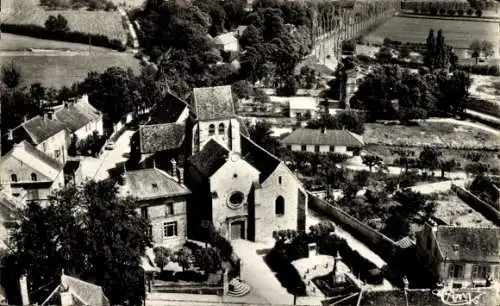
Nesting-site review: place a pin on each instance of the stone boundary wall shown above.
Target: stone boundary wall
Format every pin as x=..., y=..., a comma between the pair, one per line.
x=488, y=211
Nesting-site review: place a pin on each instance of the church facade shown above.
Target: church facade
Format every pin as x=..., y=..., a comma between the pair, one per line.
x=239, y=187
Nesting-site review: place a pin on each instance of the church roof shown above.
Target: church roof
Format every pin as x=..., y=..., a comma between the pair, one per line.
x=210, y=158
x=168, y=110
x=258, y=157
x=161, y=137
x=213, y=102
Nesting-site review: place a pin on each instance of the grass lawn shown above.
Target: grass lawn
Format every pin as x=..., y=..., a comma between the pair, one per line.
x=11, y=42
x=459, y=34
x=437, y=134
x=64, y=70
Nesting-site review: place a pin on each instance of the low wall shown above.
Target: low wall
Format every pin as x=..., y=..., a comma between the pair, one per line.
x=488, y=211
x=379, y=243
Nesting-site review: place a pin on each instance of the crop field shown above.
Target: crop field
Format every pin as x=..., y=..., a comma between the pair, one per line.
x=457, y=33
x=64, y=70
x=93, y=22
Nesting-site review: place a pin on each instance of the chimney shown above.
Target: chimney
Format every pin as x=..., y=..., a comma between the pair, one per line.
x=323, y=130
x=23, y=283
x=180, y=175
x=174, y=167
x=25, y=118
x=11, y=135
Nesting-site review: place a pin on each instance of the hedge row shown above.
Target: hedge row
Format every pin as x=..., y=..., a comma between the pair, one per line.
x=74, y=37
x=481, y=69
x=484, y=106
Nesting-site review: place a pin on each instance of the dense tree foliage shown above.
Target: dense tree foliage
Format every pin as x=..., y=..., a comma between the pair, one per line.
x=390, y=92
x=349, y=120
x=11, y=75
x=56, y=24
x=88, y=232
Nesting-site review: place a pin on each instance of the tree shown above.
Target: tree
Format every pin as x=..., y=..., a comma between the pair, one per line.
x=476, y=48
x=404, y=51
x=431, y=50
x=242, y=89
x=442, y=55
x=208, y=260
x=447, y=165
x=349, y=120
x=250, y=37
x=406, y=158
x=57, y=236
x=57, y=24
x=162, y=256
x=384, y=55
x=371, y=160
x=487, y=48
x=11, y=75
x=429, y=159
x=476, y=168
x=261, y=134
x=289, y=87
x=184, y=257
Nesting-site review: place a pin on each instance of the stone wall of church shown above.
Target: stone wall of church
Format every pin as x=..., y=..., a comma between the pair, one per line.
x=225, y=131
x=281, y=183
x=235, y=176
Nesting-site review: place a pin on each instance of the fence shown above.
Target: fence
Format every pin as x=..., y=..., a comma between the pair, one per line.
x=379, y=243
x=488, y=211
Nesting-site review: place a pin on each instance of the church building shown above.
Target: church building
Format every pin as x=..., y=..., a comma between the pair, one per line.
x=243, y=190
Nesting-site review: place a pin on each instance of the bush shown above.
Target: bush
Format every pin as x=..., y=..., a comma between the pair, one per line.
x=451, y=12
x=470, y=12
x=460, y=12
x=481, y=69
x=442, y=11
x=71, y=36
x=479, y=13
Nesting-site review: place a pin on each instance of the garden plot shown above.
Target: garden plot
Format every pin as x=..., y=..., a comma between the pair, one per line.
x=486, y=88
x=437, y=134
x=454, y=211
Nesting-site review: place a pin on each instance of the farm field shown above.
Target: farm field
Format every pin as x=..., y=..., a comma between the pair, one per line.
x=93, y=22
x=486, y=87
x=455, y=212
x=457, y=33
x=64, y=70
x=11, y=42
x=438, y=134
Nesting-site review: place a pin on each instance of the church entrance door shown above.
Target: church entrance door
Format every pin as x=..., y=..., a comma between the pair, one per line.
x=237, y=230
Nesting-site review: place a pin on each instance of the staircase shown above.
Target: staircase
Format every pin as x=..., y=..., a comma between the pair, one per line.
x=238, y=288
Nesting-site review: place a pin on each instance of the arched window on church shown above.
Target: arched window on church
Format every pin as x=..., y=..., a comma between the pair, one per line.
x=211, y=129
x=280, y=206
x=222, y=129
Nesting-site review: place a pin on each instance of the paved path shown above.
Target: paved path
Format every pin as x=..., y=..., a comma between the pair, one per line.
x=437, y=187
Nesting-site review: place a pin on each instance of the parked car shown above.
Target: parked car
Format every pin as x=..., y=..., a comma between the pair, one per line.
x=110, y=145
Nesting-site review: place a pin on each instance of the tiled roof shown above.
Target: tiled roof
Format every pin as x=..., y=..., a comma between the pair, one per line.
x=405, y=242
x=151, y=183
x=84, y=293
x=168, y=110
x=258, y=157
x=225, y=38
x=76, y=115
x=35, y=159
x=160, y=137
x=37, y=129
x=210, y=158
x=473, y=244
x=329, y=138
x=213, y=102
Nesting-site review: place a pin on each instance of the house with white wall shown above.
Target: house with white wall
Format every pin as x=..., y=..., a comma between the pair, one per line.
x=324, y=141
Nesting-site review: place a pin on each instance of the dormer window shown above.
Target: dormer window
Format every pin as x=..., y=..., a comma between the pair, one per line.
x=211, y=129
x=222, y=129
x=34, y=177
x=13, y=177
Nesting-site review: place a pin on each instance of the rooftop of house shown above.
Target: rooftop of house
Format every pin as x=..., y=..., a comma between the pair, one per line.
x=213, y=102
x=473, y=244
x=161, y=137
x=74, y=116
x=152, y=183
x=71, y=117
x=411, y=297
x=168, y=110
x=84, y=293
x=225, y=38
x=37, y=129
x=258, y=157
x=309, y=103
x=34, y=158
x=304, y=136
x=210, y=158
